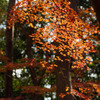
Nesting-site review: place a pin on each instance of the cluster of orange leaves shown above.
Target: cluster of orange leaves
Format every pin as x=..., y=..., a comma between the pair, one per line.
x=86, y=90
x=24, y=62
x=65, y=31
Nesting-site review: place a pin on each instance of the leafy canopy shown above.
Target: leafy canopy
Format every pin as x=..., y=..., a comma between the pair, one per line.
x=65, y=33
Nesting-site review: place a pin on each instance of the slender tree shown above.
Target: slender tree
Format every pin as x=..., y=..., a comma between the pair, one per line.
x=30, y=57
x=9, y=53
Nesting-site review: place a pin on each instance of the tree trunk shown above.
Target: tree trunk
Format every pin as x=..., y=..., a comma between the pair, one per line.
x=63, y=79
x=9, y=54
x=63, y=74
x=96, y=6
x=30, y=55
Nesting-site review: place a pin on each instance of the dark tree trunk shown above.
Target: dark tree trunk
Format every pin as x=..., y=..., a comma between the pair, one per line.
x=30, y=54
x=96, y=6
x=63, y=74
x=63, y=79
x=9, y=54
x=32, y=70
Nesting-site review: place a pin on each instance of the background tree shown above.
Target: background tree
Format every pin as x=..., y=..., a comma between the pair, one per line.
x=9, y=53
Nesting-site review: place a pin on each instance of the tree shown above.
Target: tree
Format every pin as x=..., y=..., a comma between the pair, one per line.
x=63, y=71
x=96, y=8
x=9, y=53
x=70, y=41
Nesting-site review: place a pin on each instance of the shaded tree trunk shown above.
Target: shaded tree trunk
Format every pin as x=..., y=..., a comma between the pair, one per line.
x=63, y=74
x=9, y=54
x=32, y=70
x=96, y=6
x=63, y=79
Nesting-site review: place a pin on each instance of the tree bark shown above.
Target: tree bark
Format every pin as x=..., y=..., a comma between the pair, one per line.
x=96, y=6
x=63, y=79
x=32, y=70
x=9, y=54
x=63, y=74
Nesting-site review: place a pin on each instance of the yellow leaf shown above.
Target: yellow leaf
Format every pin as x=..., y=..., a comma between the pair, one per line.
x=67, y=88
x=31, y=25
x=35, y=27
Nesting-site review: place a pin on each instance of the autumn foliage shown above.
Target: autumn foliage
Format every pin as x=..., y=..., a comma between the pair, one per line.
x=65, y=32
